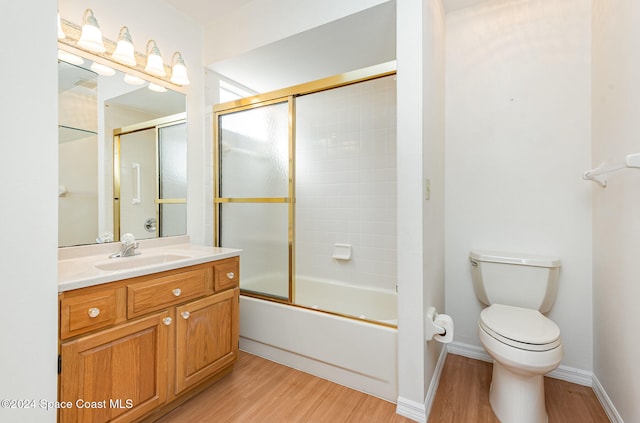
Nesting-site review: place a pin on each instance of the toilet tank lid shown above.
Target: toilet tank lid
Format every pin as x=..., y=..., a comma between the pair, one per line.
x=514, y=258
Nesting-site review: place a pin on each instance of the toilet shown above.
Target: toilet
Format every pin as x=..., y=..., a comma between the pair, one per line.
x=524, y=344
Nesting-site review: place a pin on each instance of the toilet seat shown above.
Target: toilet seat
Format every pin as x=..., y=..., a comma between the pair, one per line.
x=519, y=327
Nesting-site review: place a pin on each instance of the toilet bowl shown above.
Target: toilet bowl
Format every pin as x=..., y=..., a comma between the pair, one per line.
x=517, y=288
x=525, y=345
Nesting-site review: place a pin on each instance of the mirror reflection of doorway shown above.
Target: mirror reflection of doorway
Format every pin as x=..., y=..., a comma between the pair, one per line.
x=150, y=178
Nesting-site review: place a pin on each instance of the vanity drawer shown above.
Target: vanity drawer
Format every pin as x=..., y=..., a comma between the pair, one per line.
x=227, y=273
x=90, y=311
x=161, y=292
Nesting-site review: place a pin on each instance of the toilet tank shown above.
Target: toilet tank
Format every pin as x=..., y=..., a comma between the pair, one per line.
x=521, y=280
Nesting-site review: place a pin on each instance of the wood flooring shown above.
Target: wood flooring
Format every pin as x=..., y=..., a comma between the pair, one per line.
x=463, y=396
x=261, y=391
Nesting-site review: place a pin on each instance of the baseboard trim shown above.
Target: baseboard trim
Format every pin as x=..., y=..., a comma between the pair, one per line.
x=469, y=351
x=411, y=409
x=606, y=402
x=416, y=411
x=566, y=373
x=573, y=375
x=435, y=380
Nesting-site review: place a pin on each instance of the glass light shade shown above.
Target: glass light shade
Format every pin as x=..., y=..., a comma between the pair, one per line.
x=179, y=75
x=133, y=80
x=155, y=65
x=125, y=52
x=91, y=37
x=60, y=31
x=179, y=70
x=157, y=88
x=102, y=69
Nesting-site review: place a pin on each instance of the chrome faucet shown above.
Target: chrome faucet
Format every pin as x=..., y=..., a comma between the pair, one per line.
x=128, y=247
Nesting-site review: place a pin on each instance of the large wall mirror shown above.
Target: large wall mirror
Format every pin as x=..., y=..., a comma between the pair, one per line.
x=122, y=155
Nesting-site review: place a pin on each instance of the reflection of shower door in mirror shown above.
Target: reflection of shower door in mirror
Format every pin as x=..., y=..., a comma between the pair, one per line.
x=137, y=182
x=150, y=184
x=172, y=179
x=253, y=195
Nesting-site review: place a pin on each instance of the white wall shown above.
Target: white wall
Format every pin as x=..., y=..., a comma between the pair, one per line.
x=433, y=164
x=29, y=167
x=518, y=141
x=420, y=41
x=173, y=31
x=616, y=208
x=28, y=219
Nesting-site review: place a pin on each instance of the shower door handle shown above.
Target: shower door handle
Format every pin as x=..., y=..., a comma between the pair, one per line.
x=136, y=169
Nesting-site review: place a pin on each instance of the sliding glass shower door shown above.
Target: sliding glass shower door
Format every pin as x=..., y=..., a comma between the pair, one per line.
x=254, y=194
x=306, y=186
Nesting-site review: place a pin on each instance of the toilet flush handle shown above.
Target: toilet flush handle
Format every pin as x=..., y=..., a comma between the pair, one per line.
x=473, y=262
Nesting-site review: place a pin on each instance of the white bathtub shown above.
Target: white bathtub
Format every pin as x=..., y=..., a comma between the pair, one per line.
x=351, y=352
x=373, y=304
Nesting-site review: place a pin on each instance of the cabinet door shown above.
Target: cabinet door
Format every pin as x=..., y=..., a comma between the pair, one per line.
x=206, y=337
x=118, y=374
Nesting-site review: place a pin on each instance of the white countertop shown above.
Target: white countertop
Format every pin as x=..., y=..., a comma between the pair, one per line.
x=79, y=267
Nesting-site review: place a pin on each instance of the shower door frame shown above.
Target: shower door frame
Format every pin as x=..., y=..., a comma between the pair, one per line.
x=288, y=95
x=154, y=124
x=218, y=201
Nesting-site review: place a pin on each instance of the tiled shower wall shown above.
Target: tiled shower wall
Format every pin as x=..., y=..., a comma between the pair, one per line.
x=346, y=183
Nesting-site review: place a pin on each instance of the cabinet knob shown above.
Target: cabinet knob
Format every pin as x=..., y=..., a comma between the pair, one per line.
x=94, y=312
x=231, y=275
x=177, y=292
x=185, y=315
x=167, y=321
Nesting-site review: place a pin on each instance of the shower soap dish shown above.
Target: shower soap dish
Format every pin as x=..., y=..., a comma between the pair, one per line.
x=341, y=251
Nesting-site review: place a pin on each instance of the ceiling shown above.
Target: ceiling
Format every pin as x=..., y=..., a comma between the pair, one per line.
x=356, y=41
x=204, y=11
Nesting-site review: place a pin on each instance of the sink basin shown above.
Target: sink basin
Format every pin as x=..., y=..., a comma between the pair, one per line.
x=123, y=263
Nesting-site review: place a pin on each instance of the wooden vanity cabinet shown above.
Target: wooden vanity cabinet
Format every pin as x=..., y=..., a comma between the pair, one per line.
x=121, y=367
x=206, y=338
x=166, y=348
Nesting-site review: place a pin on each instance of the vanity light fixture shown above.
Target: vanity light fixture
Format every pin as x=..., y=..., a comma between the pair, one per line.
x=155, y=65
x=102, y=69
x=157, y=88
x=91, y=37
x=124, y=52
x=70, y=58
x=133, y=80
x=179, y=70
x=60, y=31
